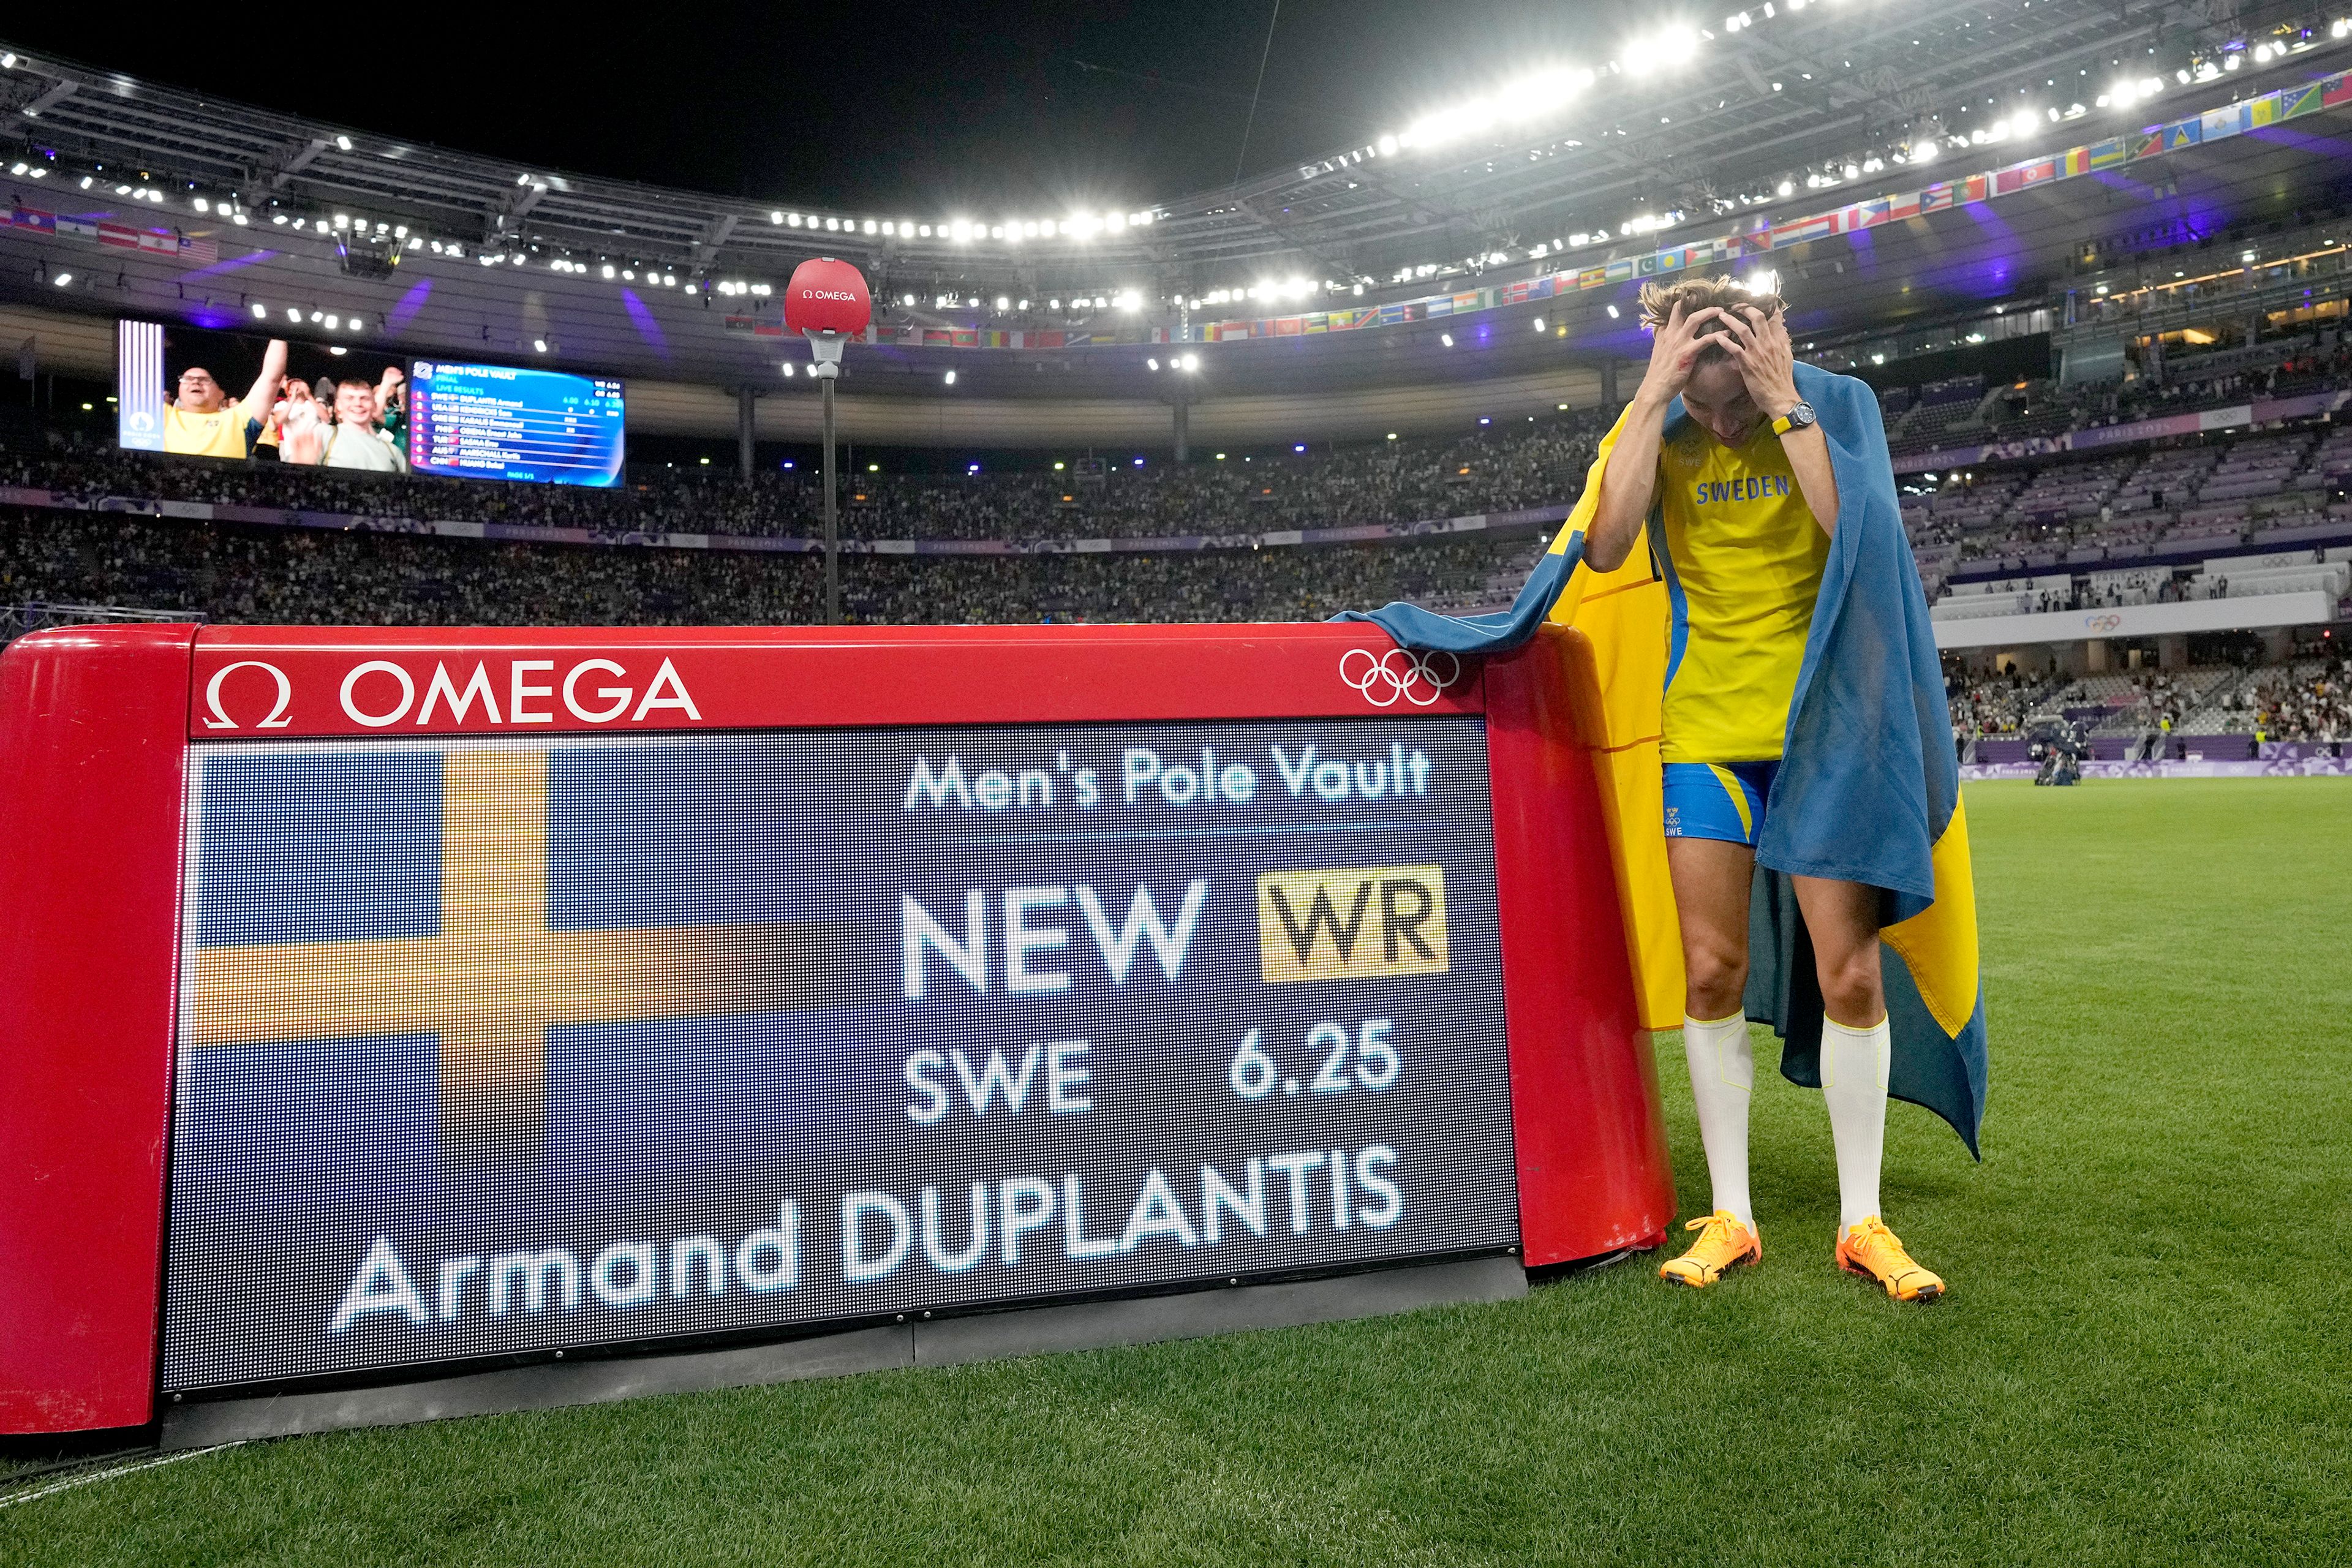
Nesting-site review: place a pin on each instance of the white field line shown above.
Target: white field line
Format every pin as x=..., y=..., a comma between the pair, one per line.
x=71, y=1481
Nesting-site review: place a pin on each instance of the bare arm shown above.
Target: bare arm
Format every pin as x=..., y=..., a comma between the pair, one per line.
x=1628, y=483
x=1768, y=364
x=258, y=402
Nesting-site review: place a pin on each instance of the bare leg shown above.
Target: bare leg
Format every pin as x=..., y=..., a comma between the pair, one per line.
x=1711, y=882
x=1843, y=920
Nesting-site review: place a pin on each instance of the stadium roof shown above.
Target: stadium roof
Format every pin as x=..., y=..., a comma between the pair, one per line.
x=1752, y=111
x=682, y=330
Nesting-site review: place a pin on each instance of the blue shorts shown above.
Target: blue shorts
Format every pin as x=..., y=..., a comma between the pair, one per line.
x=1718, y=800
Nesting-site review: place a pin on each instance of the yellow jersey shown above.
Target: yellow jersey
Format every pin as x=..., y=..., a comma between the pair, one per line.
x=1744, y=562
x=226, y=433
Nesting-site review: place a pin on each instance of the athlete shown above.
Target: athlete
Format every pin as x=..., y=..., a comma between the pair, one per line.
x=203, y=422
x=1746, y=501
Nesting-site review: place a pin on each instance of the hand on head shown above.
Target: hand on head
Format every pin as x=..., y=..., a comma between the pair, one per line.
x=1759, y=344
x=1675, y=350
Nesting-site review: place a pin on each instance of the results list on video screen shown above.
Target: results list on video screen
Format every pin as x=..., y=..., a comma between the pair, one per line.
x=482, y=421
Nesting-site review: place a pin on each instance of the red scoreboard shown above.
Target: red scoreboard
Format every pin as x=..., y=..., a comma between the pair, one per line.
x=387, y=1006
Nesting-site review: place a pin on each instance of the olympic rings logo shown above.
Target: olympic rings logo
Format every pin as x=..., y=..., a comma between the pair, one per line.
x=1400, y=672
x=2102, y=623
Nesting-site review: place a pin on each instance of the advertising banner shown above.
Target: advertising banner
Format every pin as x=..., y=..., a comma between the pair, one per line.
x=500, y=1046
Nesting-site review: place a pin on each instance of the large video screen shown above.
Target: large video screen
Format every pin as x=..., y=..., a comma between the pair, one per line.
x=245, y=395
x=496, y=421
x=207, y=392
x=490, y=1047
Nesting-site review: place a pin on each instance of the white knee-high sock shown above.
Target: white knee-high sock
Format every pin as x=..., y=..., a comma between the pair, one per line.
x=1853, y=1085
x=1723, y=1077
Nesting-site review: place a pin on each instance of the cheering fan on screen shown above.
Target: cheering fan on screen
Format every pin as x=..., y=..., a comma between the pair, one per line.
x=201, y=420
x=355, y=442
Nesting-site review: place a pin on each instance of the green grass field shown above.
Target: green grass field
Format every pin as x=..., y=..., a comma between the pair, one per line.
x=2145, y=1357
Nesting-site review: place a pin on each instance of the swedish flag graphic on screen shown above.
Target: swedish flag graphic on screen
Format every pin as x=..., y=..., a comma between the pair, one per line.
x=490, y=1047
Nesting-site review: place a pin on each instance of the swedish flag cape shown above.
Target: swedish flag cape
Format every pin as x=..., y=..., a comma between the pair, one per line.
x=1868, y=789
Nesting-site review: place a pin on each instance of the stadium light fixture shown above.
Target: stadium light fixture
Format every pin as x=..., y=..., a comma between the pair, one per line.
x=1152, y=364
x=1613, y=312
x=1539, y=324
x=788, y=370
x=62, y=278
x=342, y=143
x=260, y=311
x=539, y=345
x=1446, y=339
x=950, y=378
x=1190, y=362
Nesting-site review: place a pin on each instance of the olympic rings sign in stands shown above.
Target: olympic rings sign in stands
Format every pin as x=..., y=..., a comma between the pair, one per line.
x=1382, y=678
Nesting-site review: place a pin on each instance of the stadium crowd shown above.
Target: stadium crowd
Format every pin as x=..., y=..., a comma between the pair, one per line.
x=1990, y=704
x=1498, y=469
x=2308, y=701
x=252, y=574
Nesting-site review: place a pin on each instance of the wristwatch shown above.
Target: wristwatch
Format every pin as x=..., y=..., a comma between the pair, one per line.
x=1800, y=415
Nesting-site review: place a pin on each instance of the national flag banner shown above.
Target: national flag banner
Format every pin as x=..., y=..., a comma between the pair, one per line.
x=122, y=236
x=1975, y=188
x=963, y=337
x=1592, y=277
x=2183, y=133
x=2296, y=102
x=1620, y=270
x=1517, y=293
x=1869, y=213
x=1473, y=300
x=2073, y=162
x=1935, y=198
x=27, y=218
x=1437, y=305
x=2040, y=171
x=158, y=242
x=2229, y=119
x=1345, y=320
x=1798, y=232
x=1316, y=321
x=2335, y=91
x=1667, y=261
x=2150, y=143
x=1047, y=339
x=1289, y=326
x=1543, y=288
x=2263, y=110
x=2108, y=153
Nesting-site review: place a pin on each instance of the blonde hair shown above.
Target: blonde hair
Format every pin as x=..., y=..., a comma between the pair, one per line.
x=1697, y=294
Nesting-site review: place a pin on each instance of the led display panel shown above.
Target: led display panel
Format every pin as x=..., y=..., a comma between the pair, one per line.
x=496, y=422
x=491, y=1046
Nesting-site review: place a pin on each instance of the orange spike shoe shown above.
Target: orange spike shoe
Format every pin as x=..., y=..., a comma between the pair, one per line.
x=1723, y=1241
x=1868, y=1247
